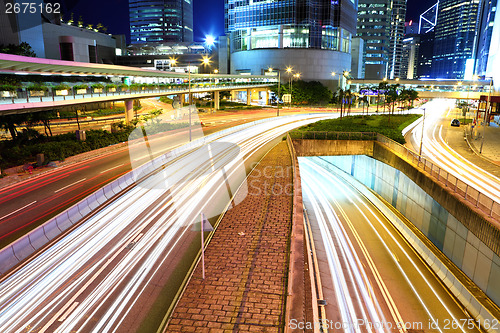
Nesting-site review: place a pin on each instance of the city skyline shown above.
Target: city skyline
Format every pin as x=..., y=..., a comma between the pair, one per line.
x=208, y=15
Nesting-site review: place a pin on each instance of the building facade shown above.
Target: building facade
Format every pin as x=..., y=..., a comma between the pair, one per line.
x=381, y=23
x=409, y=63
x=312, y=37
x=425, y=55
x=455, y=38
x=51, y=38
x=161, y=21
x=175, y=57
x=488, y=49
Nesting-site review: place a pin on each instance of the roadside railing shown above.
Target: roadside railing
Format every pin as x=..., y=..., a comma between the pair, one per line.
x=469, y=193
x=325, y=135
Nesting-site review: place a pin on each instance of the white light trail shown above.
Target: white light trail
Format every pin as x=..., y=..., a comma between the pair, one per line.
x=104, y=265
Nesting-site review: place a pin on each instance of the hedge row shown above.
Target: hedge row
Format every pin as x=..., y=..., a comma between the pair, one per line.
x=59, y=147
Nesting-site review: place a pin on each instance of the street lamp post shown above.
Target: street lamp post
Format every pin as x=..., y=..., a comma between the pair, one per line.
x=297, y=76
x=189, y=98
x=486, y=115
x=421, y=138
x=216, y=71
x=279, y=88
x=289, y=71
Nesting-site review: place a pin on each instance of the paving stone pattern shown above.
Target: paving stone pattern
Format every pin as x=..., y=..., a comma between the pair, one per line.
x=246, y=260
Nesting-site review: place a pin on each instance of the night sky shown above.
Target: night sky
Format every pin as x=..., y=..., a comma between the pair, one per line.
x=208, y=14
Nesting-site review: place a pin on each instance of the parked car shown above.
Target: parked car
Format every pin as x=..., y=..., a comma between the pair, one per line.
x=455, y=122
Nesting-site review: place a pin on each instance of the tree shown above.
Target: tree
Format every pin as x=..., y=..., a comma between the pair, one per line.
x=23, y=49
x=382, y=86
x=311, y=92
x=366, y=102
x=392, y=95
x=349, y=98
x=10, y=123
x=43, y=117
x=412, y=96
x=340, y=95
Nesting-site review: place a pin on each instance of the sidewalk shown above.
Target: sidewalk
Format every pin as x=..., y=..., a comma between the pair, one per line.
x=489, y=159
x=247, y=259
x=491, y=143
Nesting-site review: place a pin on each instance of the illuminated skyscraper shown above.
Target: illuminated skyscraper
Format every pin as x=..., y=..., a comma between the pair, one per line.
x=381, y=24
x=488, y=50
x=313, y=37
x=161, y=21
x=455, y=38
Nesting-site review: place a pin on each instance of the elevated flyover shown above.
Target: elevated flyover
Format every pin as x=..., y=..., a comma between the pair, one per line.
x=456, y=89
x=159, y=83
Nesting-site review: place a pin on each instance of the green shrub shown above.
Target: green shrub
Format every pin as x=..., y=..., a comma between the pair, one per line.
x=37, y=87
x=8, y=87
x=61, y=86
x=390, y=126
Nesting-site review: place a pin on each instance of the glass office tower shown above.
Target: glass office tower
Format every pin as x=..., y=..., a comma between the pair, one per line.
x=161, y=21
x=486, y=50
x=312, y=36
x=381, y=24
x=455, y=38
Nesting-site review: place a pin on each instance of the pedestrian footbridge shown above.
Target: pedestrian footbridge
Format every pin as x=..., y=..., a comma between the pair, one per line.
x=121, y=84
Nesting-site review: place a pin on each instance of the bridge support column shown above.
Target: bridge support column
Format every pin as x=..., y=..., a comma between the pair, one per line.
x=129, y=111
x=234, y=95
x=249, y=96
x=181, y=99
x=216, y=100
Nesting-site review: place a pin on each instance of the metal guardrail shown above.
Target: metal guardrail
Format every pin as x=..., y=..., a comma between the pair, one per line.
x=469, y=193
x=325, y=135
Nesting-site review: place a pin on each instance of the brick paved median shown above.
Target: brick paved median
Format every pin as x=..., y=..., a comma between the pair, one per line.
x=246, y=260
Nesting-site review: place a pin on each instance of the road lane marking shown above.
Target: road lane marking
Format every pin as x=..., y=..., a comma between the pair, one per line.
x=1, y=218
x=83, y=288
x=112, y=168
x=62, y=188
x=66, y=314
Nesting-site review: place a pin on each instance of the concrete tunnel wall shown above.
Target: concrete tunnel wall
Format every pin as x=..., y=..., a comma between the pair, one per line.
x=445, y=231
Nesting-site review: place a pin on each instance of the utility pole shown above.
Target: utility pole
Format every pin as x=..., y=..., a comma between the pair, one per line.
x=421, y=138
x=486, y=116
x=189, y=98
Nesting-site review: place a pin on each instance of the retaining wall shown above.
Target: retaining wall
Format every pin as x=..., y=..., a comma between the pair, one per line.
x=429, y=217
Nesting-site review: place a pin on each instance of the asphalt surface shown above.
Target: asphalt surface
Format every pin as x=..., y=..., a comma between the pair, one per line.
x=108, y=272
x=371, y=276
x=38, y=197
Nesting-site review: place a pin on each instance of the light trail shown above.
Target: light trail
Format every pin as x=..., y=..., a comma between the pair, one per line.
x=97, y=275
x=65, y=187
x=17, y=210
x=436, y=149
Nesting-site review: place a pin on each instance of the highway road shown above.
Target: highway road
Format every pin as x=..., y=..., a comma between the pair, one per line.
x=108, y=273
x=436, y=148
x=26, y=205
x=372, y=279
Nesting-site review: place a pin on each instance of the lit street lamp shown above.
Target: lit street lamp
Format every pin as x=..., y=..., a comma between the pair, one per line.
x=486, y=117
x=289, y=71
x=279, y=88
x=421, y=138
x=216, y=71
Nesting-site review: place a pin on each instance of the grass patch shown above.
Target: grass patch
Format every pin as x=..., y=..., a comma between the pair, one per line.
x=390, y=126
